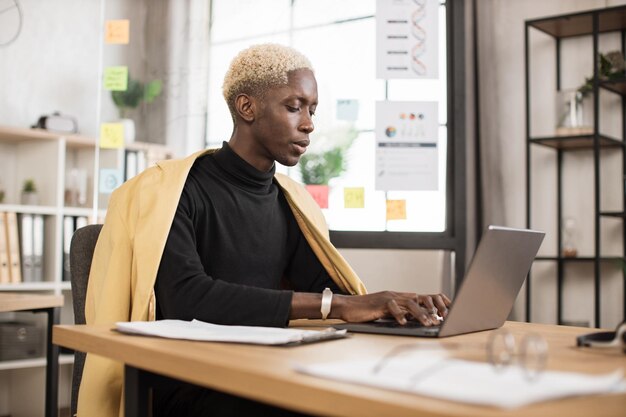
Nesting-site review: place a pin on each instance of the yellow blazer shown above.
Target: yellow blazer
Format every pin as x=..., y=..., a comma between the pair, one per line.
x=128, y=253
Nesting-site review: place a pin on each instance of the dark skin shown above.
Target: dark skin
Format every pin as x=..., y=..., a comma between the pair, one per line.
x=276, y=127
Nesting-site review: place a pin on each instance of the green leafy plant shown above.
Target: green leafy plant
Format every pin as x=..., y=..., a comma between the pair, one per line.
x=29, y=186
x=611, y=67
x=321, y=168
x=325, y=159
x=136, y=93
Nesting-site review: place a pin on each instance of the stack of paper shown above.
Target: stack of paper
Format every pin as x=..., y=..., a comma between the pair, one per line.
x=201, y=331
x=468, y=382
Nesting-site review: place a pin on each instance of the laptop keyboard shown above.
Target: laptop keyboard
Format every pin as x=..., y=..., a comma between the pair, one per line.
x=410, y=324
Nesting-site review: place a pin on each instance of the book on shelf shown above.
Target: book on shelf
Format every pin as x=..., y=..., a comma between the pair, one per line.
x=5, y=274
x=70, y=225
x=31, y=239
x=28, y=260
x=131, y=165
x=142, y=163
x=135, y=163
x=68, y=231
x=14, y=247
x=38, y=249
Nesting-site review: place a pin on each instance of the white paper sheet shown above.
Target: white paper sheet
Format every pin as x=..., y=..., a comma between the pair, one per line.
x=201, y=331
x=407, y=39
x=468, y=382
x=407, y=151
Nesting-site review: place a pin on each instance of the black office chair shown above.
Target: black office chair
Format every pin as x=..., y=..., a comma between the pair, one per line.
x=81, y=253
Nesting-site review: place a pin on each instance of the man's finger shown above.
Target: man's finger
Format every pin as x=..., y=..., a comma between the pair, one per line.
x=427, y=302
x=441, y=305
x=420, y=314
x=396, y=311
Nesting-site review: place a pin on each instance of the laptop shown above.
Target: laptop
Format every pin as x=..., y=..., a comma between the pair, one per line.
x=488, y=291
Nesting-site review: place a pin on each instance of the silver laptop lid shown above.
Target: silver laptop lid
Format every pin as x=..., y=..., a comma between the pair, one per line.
x=493, y=280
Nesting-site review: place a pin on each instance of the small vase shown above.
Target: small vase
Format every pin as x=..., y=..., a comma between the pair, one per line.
x=569, y=238
x=29, y=198
x=571, y=113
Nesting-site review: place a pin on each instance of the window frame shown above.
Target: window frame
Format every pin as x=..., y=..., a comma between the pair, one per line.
x=454, y=236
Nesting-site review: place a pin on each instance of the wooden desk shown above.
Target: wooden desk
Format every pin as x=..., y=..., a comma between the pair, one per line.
x=266, y=373
x=49, y=304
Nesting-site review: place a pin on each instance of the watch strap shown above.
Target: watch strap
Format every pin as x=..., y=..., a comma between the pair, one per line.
x=327, y=299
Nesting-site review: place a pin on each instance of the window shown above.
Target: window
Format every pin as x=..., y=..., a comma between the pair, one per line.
x=338, y=36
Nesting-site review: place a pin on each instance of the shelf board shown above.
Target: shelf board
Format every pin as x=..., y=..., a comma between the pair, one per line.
x=20, y=134
x=149, y=147
x=77, y=211
x=621, y=214
x=18, y=208
x=579, y=24
x=64, y=359
x=617, y=85
x=30, y=286
x=579, y=258
x=576, y=142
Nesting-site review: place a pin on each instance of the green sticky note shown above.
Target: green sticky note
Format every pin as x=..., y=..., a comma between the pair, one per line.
x=354, y=197
x=116, y=78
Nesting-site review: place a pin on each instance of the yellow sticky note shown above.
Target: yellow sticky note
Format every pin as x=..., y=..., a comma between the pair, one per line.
x=111, y=135
x=354, y=197
x=116, y=78
x=117, y=31
x=396, y=209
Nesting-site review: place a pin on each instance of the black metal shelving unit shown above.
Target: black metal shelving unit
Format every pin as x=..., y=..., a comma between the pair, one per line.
x=589, y=23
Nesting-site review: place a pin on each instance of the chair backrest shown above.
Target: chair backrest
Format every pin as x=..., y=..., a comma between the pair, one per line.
x=81, y=253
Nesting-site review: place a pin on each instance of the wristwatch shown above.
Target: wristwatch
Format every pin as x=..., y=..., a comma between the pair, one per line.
x=327, y=298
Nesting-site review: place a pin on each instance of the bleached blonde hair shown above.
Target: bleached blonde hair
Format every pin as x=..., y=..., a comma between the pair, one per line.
x=254, y=70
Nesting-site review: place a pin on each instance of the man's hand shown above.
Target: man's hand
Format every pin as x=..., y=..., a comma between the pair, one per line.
x=399, y=305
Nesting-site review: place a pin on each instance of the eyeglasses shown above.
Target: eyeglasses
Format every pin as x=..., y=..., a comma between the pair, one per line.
x=614, y=339
x=502, y=349
x=530, y=353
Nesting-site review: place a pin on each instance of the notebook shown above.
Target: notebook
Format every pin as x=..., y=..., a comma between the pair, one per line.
x=486, y=296
x=209, y=332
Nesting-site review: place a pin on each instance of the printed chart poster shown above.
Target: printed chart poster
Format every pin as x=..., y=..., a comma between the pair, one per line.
x=406, y=146
x=407, y=44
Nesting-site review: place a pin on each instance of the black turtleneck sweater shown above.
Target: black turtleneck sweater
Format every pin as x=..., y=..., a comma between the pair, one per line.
x=233, y=239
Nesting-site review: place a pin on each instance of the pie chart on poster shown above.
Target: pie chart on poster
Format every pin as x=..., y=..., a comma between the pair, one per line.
x=390, y=131
x=10, y=22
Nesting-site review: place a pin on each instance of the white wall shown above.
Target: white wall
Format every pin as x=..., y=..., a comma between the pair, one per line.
x=398, y=270
x=55, y=63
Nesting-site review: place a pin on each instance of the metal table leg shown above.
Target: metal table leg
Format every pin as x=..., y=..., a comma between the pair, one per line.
x=52, y=365
x=136, y=390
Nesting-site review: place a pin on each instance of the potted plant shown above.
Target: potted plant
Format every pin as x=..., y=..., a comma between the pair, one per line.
x=325, y=160
x=29, y=193
x=135, y=93
x=571, y=103
x=612, y=66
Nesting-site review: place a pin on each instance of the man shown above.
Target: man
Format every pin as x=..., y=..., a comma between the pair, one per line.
x=220, y=238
